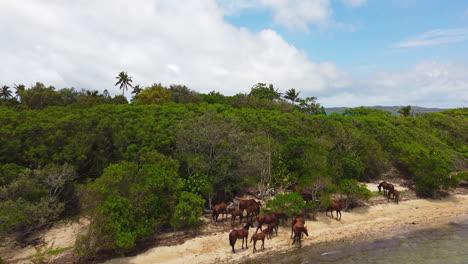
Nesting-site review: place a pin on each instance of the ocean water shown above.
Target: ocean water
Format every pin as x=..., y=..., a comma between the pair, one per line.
x=444, y=245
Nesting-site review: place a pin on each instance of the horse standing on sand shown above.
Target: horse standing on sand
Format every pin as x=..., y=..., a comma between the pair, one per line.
x=295, y=220
x=298, y=229
x=281, y=216
x=386, y=187
x=259, y=236
x=244, y=204
x=219, y=209
x=272, y=227
x=396, y=195
x=252, y=211
x=265, y=219
x=236, y=213
x=238, y=234
x=335, y=207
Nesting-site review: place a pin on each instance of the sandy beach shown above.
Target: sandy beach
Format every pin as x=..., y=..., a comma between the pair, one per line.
x=381, y=220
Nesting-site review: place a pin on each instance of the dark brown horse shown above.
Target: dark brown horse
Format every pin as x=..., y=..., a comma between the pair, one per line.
x=386, y=187
x=238, y=234
x=281, y=216
x=259, y=236
x=244, y=204
x=396, y=195
x=273, y=227
x=298, y=229
x=235, y=214
x=252, y=211
x=265, y=219
x=219, y=209
x=295, y=220
x=335, y=207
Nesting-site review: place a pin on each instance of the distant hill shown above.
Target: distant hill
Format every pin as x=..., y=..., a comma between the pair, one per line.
x=393, y=109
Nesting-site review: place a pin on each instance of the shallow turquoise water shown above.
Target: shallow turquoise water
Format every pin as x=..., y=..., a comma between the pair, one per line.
x=445, y=245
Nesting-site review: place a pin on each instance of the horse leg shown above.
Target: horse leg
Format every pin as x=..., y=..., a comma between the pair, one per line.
x=246, y=239
x=259, y=226
x=337, y=215
x=255, y=243
x=263, y=243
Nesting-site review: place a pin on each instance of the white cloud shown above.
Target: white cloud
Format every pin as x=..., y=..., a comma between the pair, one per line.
x=86, y=43
x=354, y=3
x=429, y=83
x=435, y=37
x=293, y=14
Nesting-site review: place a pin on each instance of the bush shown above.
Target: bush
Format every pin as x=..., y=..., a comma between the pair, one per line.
x=289, y=203
x=188, y=211
x=354, y=191
x=129, y=202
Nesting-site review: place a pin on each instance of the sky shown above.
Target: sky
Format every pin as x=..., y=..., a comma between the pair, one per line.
x=345, y=52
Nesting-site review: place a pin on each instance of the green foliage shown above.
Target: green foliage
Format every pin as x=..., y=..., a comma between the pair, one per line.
x=405, y=111
x=130, y=201
x=188, y=211
x=354, y=191
x=155, y=94
x=39, y=96
x=262, y=91
x=33, y=198
x=289, y=203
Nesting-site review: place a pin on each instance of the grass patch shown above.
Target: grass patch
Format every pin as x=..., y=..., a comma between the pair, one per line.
x=43, y=253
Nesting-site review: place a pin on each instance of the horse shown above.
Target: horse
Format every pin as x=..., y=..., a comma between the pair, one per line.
x=298, y=229
x=390, y=187
x=259, y=236
x=235, y=214
x=238, y=234
x=219, y=209
x=253, y=210
x=265, y=219
x=295, y=220
x=272, y=227
x=281, y=216
x=335, y=206
x=244, y=204
x=396, y=195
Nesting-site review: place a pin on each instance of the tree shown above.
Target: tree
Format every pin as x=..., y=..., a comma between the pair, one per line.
x=155, y=94
x=292, y=95
x=19, y=88
x=405, y=111
x=261, y=91
x=40, y=96
x=5, y=92
x=137, y=89
x=124, y=80
x=309, y=106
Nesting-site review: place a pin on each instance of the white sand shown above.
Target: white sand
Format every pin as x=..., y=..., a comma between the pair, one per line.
x=387, y=218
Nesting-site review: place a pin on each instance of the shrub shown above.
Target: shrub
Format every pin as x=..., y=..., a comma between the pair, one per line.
x=289, y=203
x=188, y=210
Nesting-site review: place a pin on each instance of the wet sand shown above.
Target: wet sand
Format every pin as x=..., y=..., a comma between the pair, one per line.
x=382, y=221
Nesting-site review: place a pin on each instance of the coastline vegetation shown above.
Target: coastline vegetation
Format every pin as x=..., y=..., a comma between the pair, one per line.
x=156, y=163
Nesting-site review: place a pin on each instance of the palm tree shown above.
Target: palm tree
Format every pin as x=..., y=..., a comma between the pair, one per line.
x=19, y=89
x=124, y=80
x=137, y=89
x=5, y=92
x=292, y=95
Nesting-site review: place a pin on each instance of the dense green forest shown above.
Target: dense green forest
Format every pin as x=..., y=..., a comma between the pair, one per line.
x=155, y=163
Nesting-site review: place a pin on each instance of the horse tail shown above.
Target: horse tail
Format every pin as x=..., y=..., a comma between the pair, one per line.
x=213, y=214
x=232, y=239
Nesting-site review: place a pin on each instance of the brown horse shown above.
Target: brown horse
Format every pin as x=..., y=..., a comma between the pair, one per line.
x=281, y=216
x=219, y=209
x=335, y=207
x=295, y=220
x=252, y=211
x=235, y=214
x=259, y=236
x=244, y=204
x=265, y=219
x=238, y=234
x=298, y=229
x=383, y=185
x=396, y=195
x=272, y=227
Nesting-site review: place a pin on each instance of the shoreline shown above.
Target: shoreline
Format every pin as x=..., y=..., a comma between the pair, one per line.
x=360, y=225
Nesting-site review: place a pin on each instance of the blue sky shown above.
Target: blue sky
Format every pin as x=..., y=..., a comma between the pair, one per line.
x=345, y=52
x=375, y=29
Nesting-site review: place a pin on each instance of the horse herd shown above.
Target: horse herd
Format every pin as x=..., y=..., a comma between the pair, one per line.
x=270, y=221
x=389, y=190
